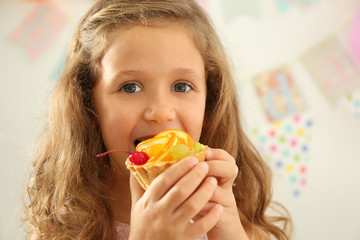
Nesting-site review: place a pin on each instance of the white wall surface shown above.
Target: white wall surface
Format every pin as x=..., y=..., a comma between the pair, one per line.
x=319, y=184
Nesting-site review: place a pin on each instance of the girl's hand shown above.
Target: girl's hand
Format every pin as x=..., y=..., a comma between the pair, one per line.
x=173, y=199
x=222, y=166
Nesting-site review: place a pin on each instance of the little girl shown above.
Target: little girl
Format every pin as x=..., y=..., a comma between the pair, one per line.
x=136, y=68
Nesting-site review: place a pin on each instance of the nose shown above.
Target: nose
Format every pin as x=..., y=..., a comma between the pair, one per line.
x=159, y=110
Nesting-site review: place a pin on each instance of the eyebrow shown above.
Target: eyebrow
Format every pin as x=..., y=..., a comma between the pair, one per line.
x=127, y=72
x=187, y=71
x=179, y=71
x=119, y=74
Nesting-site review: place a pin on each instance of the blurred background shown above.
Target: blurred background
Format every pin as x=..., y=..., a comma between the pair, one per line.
x=297, y=65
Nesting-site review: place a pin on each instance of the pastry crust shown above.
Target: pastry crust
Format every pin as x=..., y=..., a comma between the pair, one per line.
x=146, y=173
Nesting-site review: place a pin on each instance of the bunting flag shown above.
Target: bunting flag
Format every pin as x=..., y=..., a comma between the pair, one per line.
x=285, y=146
x=332, y=68
x=284, y=5
x=278, y=94
x=39, y=29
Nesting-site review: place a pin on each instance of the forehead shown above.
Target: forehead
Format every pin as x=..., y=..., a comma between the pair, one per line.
x=152, y=26
x=137, y=34
x=112, y=32
x=139, y=46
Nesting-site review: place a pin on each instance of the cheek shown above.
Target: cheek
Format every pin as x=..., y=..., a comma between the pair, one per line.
x=116, y=128
x=194, y=118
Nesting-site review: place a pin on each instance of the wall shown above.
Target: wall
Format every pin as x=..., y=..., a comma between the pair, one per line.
x=297, y=66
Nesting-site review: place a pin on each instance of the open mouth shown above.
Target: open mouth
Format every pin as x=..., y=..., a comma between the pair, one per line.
x=137, y=141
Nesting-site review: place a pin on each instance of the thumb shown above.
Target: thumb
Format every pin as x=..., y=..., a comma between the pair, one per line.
x=136, y=190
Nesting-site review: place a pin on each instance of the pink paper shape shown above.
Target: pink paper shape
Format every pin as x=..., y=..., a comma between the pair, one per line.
x=355, y=36
x=39, y=29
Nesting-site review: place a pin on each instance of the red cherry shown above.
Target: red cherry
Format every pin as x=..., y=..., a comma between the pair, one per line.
x=136, y=158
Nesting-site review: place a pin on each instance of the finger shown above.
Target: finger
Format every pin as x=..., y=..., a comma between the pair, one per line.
x=224, y=197
x=197, y=201
x=170, y=177
x=224, y=171
x=136, y=190
x=208, y=206
x=206, y=223
x=185, y=186
x=218, y=154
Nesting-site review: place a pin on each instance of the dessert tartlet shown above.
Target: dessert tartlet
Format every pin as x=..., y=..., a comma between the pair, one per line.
x=163, y=150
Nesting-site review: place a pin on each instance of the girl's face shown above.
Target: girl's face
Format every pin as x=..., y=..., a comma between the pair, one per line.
x=151, y=79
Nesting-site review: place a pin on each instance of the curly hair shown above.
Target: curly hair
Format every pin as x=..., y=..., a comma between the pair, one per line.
x=67, y=194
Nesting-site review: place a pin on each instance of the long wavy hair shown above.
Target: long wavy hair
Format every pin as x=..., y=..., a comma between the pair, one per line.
x=67, y=190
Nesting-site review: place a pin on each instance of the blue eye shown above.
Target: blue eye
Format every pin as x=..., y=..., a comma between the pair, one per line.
x=181, y=87
x=130, y=88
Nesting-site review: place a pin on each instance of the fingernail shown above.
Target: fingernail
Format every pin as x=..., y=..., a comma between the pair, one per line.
x=204, y=165
x=219, y=207
x=213, y=181
x=193, y=161
x=209, y=153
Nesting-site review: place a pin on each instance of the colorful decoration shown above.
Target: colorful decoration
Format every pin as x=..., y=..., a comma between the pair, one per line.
x=332, y=68
x=285, y=142
x=278, y=94
x=355, y=37
x=285, y=145
x=39, y=29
